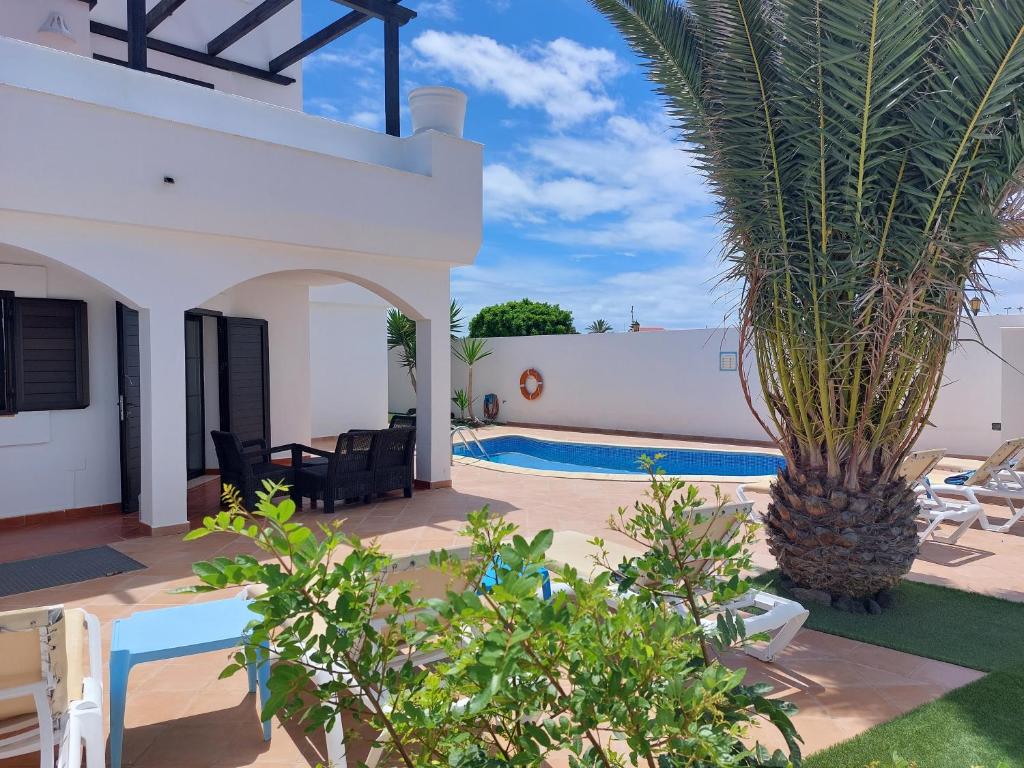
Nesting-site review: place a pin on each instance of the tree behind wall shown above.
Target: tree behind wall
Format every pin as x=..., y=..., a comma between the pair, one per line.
x=867, y=157
x=521, y=318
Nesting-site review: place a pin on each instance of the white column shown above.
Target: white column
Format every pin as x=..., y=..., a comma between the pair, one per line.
x=164, y=470
x=433, y=399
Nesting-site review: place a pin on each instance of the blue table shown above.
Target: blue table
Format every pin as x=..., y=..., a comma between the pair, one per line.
x=169, y=633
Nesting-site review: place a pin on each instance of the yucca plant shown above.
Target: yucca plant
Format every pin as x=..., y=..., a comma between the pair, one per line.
x=471, y=351
x=866, y=155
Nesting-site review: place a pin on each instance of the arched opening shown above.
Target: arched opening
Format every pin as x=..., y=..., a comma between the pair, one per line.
x=65, y=456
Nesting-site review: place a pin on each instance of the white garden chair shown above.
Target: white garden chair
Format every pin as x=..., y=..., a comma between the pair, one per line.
x=762, y=612
x=47, y=697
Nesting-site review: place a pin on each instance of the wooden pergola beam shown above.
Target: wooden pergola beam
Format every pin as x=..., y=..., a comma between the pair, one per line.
x=316, y=41
x=136, y=33
x=181, y=52
x=160, y=12
x=380, y=9
x=245, y=25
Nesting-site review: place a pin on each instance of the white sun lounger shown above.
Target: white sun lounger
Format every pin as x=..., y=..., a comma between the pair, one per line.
x=932, y=509
x=762, y=612
x=1001, y=475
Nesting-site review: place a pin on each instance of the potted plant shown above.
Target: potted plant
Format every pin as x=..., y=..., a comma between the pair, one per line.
x=438, y=108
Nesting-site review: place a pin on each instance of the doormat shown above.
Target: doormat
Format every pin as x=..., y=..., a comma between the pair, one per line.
x=63, y=568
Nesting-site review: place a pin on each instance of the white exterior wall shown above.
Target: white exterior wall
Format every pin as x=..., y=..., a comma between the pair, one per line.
x=976, y=393
x=669, y=382
x=348, y=355
x=193, y=25
x=54, y=460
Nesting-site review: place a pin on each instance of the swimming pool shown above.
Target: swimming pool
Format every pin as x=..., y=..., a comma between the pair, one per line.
x=557, y=457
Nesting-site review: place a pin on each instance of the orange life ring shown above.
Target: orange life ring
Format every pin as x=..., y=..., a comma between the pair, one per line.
x=531, y=373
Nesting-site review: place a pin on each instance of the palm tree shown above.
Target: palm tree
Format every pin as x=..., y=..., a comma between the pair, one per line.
x=401, y=331
x=599, y=326
x=471, y=351
x=866, y=156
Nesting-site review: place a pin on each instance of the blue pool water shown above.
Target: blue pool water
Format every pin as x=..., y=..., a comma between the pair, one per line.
x=532, y=453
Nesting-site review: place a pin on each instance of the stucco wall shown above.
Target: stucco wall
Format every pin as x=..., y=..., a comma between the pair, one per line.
x=670, y=382
x=348, y=360
x=52, y=460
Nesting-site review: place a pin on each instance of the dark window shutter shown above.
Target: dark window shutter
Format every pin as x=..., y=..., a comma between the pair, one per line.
x=244, y=377
x=51, y=354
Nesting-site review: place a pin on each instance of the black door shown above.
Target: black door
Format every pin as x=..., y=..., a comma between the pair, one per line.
x=244, y=362
x=129, y=393
x=195, y=410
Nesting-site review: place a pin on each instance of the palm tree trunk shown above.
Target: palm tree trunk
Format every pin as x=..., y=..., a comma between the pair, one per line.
x=852, y=544
x=469, y=392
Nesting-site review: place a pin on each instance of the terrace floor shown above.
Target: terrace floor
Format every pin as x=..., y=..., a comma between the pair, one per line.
x=179, y=714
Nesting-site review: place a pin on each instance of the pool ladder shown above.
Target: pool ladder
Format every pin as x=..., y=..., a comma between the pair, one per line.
x=461, y=432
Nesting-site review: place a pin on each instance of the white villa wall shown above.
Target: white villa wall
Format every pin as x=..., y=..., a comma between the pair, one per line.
x=54, y=460
x=348, y=359
x=193, y=25
x=976, y=393
x=669, y=382
x=1013, y=381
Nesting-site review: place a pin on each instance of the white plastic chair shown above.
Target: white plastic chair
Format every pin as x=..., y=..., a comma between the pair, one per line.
x=47, y=699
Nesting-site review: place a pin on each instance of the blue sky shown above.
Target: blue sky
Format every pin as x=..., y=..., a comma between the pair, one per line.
x=589, y=201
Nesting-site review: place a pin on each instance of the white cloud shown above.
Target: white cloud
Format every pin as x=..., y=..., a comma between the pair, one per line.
x=562, y=77
x=632, y=187
x=675, y=296
x=438, y=9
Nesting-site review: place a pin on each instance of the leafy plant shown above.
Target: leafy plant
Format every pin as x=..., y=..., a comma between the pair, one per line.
x=599, y=326
x=867, y=159
x=516, y=676
x=401, y=334
x=521, y=318
x=462, y=402
x=471, y=351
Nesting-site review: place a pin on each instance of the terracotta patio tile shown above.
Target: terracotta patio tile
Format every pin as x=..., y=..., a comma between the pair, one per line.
x=189, y=718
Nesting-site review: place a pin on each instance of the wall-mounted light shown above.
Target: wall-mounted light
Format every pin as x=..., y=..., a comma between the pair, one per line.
x=56, y=25
x=975, y=304
x=168, y=179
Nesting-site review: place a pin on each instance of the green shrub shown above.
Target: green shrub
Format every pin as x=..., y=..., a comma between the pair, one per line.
x=608, y=672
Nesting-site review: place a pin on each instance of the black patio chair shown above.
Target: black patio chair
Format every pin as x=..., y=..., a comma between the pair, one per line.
x=246, y=464
x=393, y=453
x=344, y=475
x=402, y=420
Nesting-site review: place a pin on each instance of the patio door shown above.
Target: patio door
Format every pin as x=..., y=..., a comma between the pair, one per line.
x=243, y=351
x=195, y=405
x=129, y=400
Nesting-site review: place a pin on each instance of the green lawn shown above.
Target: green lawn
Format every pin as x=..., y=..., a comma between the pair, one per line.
x=963, y=628
x=977, y=725
x=981, y=724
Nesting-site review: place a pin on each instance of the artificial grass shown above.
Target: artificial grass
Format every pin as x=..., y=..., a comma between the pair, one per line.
x=972, y=630
x=977, y=725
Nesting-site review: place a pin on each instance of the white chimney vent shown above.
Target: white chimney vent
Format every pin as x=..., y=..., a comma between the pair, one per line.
x=55, y=25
